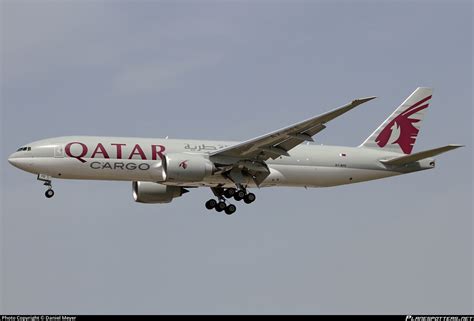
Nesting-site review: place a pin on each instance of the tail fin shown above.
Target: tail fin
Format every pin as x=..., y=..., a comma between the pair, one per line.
x=399, y=131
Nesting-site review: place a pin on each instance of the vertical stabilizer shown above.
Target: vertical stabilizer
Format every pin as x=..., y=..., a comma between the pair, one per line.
x=399, y=131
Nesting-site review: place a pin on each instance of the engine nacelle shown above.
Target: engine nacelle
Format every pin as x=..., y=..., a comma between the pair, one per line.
x=181, y=167
x=149, y=192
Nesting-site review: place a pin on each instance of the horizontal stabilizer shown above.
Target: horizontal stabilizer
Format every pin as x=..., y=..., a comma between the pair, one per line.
x=419, y=156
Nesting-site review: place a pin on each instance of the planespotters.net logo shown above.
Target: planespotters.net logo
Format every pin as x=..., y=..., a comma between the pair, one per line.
x=439, y=318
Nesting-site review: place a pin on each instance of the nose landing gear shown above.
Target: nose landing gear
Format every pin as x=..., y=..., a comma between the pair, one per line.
x=49, y=193
x=47, y=182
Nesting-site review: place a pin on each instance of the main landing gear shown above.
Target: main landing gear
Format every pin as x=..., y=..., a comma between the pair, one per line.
x=221, y=203
x=220, y=206
x=47, y=182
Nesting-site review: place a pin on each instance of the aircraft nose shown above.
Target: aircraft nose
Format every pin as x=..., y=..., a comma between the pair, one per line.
x=21, y=162
x=12, y=159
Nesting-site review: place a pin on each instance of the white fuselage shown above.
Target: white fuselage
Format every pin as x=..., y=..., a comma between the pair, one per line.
x=138, y=159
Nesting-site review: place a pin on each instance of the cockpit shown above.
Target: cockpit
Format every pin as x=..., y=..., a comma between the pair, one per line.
x=24, y=149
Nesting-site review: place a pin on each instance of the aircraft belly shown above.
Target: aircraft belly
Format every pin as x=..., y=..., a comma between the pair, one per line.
x=300, y=176
x=320, y=176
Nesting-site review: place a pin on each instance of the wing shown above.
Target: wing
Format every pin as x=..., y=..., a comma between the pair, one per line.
x=279, y=142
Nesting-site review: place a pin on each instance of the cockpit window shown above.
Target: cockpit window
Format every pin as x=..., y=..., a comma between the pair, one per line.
x=23, y=149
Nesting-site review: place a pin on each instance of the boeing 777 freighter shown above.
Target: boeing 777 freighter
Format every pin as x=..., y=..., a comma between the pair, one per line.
x=163, y=169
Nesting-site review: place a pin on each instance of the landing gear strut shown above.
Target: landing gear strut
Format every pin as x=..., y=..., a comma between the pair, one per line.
x=47, y=182
x=221, y=205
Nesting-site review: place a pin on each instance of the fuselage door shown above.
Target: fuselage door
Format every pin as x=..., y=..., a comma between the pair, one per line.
x=59, y=151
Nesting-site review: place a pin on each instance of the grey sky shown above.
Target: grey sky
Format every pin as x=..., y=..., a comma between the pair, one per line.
x=234, y=70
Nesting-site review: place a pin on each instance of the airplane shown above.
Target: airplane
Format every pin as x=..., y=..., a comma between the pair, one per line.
x=163, y=169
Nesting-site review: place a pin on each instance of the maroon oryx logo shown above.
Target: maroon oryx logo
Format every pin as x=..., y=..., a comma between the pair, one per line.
x=184, y=164
x=402, y=124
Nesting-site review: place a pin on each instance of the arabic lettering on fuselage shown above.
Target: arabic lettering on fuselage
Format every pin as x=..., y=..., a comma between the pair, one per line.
x=203, y=147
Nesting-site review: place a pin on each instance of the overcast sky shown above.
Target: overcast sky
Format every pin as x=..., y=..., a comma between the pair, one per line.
x=233, y=70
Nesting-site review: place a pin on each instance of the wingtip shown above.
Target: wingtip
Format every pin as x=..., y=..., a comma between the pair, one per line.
x=456, y=145
x=363, y=100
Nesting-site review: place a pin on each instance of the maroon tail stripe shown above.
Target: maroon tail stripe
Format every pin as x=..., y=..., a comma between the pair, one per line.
x=421, y=101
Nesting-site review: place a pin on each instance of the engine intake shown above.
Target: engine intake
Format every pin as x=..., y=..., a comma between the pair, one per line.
x=152, y=193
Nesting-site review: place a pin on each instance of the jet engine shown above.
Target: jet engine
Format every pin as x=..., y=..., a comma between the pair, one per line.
x=181, y=167
x=150, y=192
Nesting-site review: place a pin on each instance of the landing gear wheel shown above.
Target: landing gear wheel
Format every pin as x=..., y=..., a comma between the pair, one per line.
x=220, y=206
x=249, y=198
x=210, y=204
x=229, y=210
x=230, y=192
x=49, y=193
x=239, y=195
